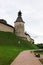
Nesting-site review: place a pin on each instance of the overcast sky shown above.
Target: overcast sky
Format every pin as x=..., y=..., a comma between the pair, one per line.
x=32, y=14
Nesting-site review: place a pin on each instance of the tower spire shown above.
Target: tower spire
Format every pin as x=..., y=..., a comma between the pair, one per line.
x=19, y=18
x=19, y=14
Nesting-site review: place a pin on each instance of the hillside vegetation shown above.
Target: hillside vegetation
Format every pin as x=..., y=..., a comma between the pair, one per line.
x=7, y=38
x=10, y=48
x=40, y=46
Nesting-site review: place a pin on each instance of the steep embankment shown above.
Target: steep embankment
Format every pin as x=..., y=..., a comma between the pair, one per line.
x=10, y=48
x=7, y=38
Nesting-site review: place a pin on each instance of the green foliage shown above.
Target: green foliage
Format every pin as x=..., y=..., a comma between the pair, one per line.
x=40, y=46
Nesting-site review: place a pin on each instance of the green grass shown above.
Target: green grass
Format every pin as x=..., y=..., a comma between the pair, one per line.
x=7, y=38
x=41, y=60
x=9, y=47
x=39, y=52
x=8, y=54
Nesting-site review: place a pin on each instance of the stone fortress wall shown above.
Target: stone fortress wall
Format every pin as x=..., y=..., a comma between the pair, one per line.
x=5, y=28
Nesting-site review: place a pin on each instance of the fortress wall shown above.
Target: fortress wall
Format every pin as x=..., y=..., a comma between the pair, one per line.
x=5, y=28
x=28, y=38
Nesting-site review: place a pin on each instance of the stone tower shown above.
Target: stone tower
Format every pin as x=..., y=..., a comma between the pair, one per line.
x=19, y=26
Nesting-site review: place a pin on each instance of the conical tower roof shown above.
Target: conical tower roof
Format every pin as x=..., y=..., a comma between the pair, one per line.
x=19, y=18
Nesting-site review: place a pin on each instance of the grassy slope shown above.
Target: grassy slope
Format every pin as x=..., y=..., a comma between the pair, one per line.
x=12, y=40
x=7, y=54
x=9, y=47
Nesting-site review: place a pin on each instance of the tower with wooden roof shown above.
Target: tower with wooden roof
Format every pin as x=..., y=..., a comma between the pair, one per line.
x=19, y=26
